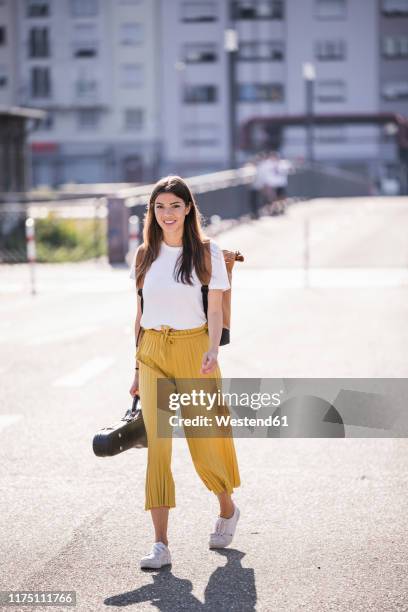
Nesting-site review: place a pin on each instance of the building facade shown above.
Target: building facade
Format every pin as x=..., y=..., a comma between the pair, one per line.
x=135, y=89
x=8, y=59
x=91, y=65
x=358, y=52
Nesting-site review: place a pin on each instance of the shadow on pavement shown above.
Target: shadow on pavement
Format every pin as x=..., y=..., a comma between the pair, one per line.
x=230, y=587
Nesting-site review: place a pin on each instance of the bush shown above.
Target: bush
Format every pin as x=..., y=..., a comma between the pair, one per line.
x=59, y=240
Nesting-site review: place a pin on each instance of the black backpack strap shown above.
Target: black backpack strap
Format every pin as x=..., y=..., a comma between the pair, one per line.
x=140, y=293
x=204, y=293
x=204, y=288
x=140, y=290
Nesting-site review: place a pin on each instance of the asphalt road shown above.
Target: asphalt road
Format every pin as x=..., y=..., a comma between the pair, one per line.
x=323, y=521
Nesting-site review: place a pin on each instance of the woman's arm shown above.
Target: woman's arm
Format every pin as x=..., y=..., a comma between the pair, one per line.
x=137, y=322
x=134, y=389
x=214, y=316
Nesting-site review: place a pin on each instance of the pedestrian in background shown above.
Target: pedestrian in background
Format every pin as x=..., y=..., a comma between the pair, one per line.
x=255, y=190
x=276, y=172
x=283, y=169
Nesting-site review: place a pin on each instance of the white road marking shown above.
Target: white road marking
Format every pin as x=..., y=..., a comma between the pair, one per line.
x=285, y=278
x=12, y=287
x=86, y=287
x=86, y=372
x=62, y=336
x=6, y=324
x=8, y=419
x=358, y=277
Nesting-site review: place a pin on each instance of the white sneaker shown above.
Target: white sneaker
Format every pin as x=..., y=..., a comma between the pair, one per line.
x=158, y=556
x=224, y=530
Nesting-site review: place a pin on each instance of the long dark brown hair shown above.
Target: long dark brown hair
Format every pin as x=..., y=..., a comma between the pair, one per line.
x=192, y=253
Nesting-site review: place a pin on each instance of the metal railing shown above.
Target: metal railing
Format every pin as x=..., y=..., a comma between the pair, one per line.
x=220, y=196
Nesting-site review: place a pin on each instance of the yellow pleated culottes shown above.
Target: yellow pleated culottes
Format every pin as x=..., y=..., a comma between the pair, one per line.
x=177, y=354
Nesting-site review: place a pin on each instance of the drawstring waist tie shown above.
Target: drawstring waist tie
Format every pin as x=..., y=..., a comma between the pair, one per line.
x=168, y=335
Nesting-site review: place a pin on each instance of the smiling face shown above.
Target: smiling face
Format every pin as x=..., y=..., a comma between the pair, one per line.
x=170, y=212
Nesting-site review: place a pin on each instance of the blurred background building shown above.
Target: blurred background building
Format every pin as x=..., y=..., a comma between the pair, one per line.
x=138, y=88
x=93, y=67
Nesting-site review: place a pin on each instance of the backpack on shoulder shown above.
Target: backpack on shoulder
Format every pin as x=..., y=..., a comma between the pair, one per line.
x=230, y=257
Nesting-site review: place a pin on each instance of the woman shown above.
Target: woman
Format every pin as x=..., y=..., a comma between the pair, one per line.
x=177, y=343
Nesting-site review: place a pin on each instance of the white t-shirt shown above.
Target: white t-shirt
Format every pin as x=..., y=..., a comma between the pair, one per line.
x=276, y=172
x=260, y=179
x=167, y=302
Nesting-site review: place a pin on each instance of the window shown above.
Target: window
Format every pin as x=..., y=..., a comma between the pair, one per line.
x=85, y=40
x=132, y=75
x=258, y=9
x=256, y=50
x=331, y=90
x=86, y=88
x=40, y=82
x=395, y=90
x=330, y=50
x=131, y=34
x=395, y=47
x=45, y=124
x=134, y=119
x=329, y=133
x=3, y=38
x=260, y=92
x=200, y=53
x=85, y=49
x=198, y=12
x=3, y=76
x=201, y=134
x=84, y=8
x=88, y=119
x=197, y=94
x=330, y=9
x=395, y=8
x=38, y=43
x=38, y=8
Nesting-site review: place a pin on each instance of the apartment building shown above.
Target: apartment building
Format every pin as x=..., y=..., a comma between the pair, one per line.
x=344, y=42
x=8, y=66
x=91, y=64
x=138, y=88
x=393, y=85
x=195, y=113
x=393, y=56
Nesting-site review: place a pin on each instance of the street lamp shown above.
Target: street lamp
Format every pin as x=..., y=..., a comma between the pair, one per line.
x=231, y=48
x=309, y=76
x=180, y=68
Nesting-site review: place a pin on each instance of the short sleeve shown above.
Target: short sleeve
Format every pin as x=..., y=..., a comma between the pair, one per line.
x=219, y=276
